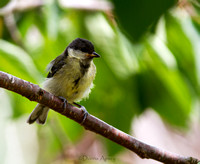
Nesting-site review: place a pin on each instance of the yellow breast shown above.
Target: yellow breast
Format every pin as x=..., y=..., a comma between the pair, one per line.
x=70, y=82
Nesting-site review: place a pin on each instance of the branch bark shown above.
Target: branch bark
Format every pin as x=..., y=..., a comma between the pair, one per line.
x=35, y=93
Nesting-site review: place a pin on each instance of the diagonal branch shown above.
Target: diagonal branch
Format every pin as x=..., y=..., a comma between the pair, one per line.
x=35, y=93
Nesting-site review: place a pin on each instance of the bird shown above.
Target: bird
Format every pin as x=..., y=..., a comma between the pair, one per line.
x=70, y=77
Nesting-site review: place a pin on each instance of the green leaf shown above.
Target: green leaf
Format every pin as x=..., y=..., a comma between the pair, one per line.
x=166, y=90
x=138, y=17
x=182, y=48
x=16, y=61
x=3, y=3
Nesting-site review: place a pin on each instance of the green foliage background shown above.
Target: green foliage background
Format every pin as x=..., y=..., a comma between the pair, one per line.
x=151, y=60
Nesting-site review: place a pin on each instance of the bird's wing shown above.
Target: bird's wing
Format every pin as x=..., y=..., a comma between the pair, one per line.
x=56, y=65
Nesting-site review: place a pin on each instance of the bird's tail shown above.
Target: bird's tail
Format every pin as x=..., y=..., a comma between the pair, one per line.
x=39, y=114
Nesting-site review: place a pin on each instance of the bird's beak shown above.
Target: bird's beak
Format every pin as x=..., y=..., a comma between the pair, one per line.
x=94, y=55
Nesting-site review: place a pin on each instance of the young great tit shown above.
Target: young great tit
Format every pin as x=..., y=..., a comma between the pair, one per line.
x=70, y=77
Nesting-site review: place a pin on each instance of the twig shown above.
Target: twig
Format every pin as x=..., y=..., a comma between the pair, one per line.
x=90, y=5
x=23, y=5
x=13, y=30
x=35, y=93
x=20, y=5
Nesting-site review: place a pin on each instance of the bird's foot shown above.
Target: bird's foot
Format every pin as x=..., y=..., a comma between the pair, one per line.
x=85, y=112
x=64, y=100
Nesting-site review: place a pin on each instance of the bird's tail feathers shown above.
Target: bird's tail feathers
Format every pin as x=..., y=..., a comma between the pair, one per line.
x=39, y=114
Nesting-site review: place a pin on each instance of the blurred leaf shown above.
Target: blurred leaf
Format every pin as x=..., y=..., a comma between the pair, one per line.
x=184, y=56
x=18, y=61
x=72, y=129
x=25, y=21
x=138, y=17
x=1, y=27
x=3, y=3
x=166, y=91
x=52, y=17
x=20, y=105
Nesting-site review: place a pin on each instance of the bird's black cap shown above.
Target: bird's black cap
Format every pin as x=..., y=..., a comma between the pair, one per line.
x=82, y=45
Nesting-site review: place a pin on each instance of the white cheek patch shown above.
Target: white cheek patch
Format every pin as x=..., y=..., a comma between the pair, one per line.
x=76, y=53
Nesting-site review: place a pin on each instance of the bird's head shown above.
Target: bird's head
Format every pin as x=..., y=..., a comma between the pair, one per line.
x=81, y=49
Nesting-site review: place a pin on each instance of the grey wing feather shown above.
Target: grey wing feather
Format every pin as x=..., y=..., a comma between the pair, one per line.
x=56, y=65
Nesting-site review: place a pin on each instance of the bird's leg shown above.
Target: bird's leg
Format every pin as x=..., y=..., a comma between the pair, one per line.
x=65, y=103
x=85, y=112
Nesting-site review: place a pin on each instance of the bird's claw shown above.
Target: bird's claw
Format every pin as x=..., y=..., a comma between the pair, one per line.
x=64, y=103
x=85, y=114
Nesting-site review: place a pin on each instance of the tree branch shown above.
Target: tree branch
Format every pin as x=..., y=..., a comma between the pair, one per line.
x=35, y=93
